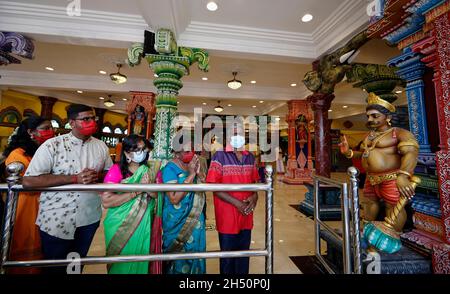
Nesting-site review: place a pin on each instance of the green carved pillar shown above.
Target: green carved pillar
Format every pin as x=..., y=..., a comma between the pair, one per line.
x=170, y=65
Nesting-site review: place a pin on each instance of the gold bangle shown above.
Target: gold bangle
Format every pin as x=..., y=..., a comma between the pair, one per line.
x=404, y=173
x=351, y=154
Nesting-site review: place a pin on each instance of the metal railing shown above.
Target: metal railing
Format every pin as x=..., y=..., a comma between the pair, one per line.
x=350, y=231
x=11, y=204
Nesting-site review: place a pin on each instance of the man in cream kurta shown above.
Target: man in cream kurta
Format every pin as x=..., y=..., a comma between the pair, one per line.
x=68, y=220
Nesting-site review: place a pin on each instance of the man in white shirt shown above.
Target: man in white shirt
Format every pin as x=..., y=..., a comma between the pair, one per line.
x=68, y=220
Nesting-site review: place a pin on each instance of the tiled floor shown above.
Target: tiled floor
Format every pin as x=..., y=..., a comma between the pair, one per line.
x=293, y=233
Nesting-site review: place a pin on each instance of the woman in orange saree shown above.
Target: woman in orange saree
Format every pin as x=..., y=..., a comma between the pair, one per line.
x=25, y=242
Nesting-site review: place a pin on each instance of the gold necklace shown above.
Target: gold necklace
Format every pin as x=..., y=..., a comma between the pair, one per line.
x=375, y=141
x=373, y=134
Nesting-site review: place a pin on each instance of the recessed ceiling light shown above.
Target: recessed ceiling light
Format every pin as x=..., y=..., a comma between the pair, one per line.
x=330, y=110
x=261, y=101
x=229, y=105
x=102, y=72
x=49, y=68
x=80, y=92
x=254, y=106
x=293, y=85
x=364, y=90
x=212, y=6
x=205, y=78
x=345, y=106
x=307, y=17
x=253, y=82
x=204, y=103
x=398, y=92
x=124, y=99
x=101, y=98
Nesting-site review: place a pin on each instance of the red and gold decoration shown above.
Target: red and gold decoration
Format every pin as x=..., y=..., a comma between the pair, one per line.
x=299, y=164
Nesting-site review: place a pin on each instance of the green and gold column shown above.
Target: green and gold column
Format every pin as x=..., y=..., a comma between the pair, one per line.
x=170, y=65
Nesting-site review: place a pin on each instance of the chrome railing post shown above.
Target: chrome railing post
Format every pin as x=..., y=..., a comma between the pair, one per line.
x=317, y=217
x=353, y=173
x=269, y=220
x=346, y=229
x=14, y=169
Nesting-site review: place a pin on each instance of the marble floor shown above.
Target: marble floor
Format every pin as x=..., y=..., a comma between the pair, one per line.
x=293, y=232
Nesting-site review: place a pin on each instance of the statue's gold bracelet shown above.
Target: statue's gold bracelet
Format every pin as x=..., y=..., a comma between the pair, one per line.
x=351, y=154
x=404, y=173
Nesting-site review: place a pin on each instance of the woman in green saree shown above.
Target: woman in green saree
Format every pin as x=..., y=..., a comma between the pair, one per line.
x=128, y=222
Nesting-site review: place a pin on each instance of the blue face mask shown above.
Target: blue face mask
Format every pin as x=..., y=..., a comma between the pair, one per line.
x=237, y=141
x=139, y=156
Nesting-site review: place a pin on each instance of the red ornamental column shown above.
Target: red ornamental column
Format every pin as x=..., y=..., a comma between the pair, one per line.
x=441, y=254
x=437, y=55
x=442, y=27
x=320, y=104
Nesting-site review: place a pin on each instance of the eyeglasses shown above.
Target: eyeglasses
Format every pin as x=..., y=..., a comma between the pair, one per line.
x=88, y=118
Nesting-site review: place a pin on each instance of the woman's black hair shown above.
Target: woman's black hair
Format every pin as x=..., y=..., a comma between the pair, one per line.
x=129, y=143
x=22, y=139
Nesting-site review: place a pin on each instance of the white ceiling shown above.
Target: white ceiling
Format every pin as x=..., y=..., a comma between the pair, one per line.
x=264, y=40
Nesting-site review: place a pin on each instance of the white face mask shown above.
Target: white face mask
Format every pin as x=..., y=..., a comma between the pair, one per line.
x=237, y=141
x=139, y=156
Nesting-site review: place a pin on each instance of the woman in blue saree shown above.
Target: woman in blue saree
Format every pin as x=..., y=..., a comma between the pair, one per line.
x=183, y=215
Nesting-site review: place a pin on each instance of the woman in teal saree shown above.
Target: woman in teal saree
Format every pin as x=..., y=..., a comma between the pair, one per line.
x=183, y=215
x=128, y=222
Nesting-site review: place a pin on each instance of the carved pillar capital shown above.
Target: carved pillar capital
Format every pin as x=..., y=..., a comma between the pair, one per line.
x=47, y=106
x=320, y=102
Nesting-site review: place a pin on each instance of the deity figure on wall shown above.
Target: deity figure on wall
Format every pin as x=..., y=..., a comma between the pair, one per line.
x=302, y=140
x=138, y=118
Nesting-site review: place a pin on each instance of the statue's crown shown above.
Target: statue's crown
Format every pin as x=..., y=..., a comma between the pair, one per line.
x=373, y=99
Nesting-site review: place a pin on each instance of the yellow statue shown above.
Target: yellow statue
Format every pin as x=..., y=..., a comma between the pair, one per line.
x=389, y=156
x=138, y=117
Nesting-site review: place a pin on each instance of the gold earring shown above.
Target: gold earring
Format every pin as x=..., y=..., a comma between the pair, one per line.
x=389, y=123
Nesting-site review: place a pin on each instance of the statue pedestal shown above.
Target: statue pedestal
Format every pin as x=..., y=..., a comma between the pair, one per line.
x=405, y=261
x=329, y=202
x=295, y=175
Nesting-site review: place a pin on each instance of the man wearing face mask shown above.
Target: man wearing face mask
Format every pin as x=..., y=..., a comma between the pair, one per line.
x=68, y=220
x=234, y=210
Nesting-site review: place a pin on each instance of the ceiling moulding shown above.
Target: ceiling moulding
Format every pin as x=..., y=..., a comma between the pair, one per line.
x=97, y=28
x=249, y=40
x=54, y=21
x=171, y=14
x=350, y=17
x=100, y=83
